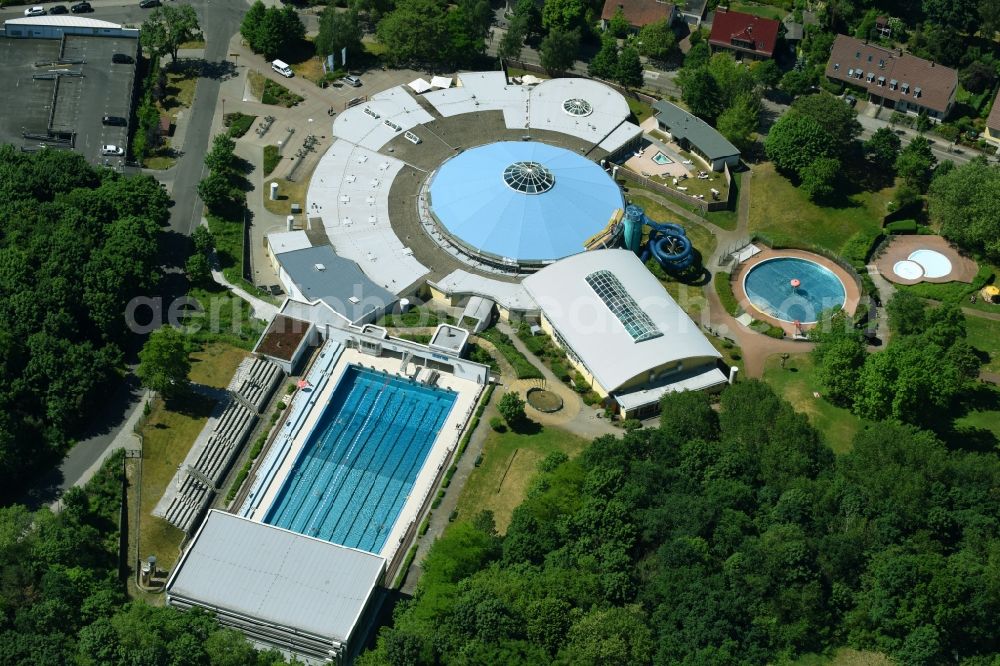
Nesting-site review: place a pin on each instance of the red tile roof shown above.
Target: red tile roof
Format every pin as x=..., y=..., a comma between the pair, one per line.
x=744, y=32
x=917, y=81
x=993, y=122
x=639, y=13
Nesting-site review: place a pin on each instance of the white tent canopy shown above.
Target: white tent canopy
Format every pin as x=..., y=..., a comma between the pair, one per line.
x=441, y=82
x=420, y=86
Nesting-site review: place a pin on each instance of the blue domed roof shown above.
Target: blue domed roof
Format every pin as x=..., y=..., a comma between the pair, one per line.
x=523, y=200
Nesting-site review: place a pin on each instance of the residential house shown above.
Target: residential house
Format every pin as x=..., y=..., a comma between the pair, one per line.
x=892, y=78
x=639, y=13
x=694, y=134
x=992, y=133
x=746, y=35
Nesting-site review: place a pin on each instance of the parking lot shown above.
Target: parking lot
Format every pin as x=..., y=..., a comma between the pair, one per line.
x=64, y=88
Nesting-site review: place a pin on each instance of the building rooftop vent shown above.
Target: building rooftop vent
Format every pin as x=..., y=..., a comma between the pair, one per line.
x=320, y=267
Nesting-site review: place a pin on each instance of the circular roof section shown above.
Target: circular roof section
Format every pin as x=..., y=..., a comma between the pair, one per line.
x=529, y=177
x=473, y=200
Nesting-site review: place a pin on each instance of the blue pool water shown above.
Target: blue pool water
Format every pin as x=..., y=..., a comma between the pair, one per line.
x=354, y=474
x=768, y=286
x=660, y=158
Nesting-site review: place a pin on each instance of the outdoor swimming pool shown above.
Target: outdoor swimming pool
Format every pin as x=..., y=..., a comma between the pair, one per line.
x=768, y=285
x=357, y=468
x=660, y=158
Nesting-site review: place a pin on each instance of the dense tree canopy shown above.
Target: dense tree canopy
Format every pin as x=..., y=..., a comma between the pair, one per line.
x=719, y=538
x=964, y=202
x=168, y=27
x=429, y=31
x=558, y=50
x=272, y=31
x=76, y=245
x=338, y=30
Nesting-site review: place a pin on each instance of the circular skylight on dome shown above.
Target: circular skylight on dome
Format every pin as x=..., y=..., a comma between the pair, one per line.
x=577, y=107
x=528, y=177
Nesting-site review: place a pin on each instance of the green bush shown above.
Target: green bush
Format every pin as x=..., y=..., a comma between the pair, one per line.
x=479, y=460
x=436, y=503
x=581, y=383
x=858, y=248
x=238, y=123
x=522, y=366
x=447, y=476
x=271, y=159
x=774, y=332
x=422, y=530
x=497, y=424
x=902, y=227
x=724, y=288
x=411, y=554
x=453, y=516
x=279, y=95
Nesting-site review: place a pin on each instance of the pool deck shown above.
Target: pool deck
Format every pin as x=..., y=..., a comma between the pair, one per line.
x=438, y=456
x=963, y=269
x=851, y=288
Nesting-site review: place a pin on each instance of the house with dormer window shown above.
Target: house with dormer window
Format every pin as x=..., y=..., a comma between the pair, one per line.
x=747, y=36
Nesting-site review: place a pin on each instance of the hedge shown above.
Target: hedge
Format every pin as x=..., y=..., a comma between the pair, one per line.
x=902, y=227
x=411, y=554
x=271, y=159
x=724, y=288
x=522, y=366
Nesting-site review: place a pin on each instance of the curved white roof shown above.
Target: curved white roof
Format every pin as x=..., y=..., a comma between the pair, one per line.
x=66, y=21
x=646, y=331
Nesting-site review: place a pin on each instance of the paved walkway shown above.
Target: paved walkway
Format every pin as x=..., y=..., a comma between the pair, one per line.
x=259, y=309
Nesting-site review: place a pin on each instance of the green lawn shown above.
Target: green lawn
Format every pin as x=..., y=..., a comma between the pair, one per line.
x=166, y=438
x=215, y=363
x=796, y=383
x=489, y=488
x=984, y=415
x=225, y=318
x=784, y=214
x=640, y=110
x=764, y=11
x=843, y=657
x=984, y=335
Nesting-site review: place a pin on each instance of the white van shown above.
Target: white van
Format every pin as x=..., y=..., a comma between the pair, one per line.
x=282, y=68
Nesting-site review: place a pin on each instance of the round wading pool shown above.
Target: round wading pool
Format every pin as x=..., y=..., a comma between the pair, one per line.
x=769, y=287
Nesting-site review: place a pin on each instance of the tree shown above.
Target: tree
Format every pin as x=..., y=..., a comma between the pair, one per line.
x=700, y=92
x=798, y=81
x=766, y=73
x=511, y=408
x=204, y=241
x=563, y=15
x=512, y=41
x=838, y=120
x=698, y=55
x=795, y=142
x=168, y=27
x=252, y=20
x=839, y=358
x=819, y=179
x=198, y=270
x=618, y=26
x=658, y=41
x=217, y=192
x=882, y=149
x=733, y=79
x=427, y=31
x=629, y=68
x=906, y=314
x=338, y=30
x=276, y=31
x=957, y=15
x=604, y=64
x=963, y=203
x=222, y=156
x=558, y=50
x=739, y=122
x=526, y=13
x=163, y=361
x=915, y=164
x=978, y=76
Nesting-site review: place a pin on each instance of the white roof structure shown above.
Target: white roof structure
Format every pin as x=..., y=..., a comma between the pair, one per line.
x=483, y=91
x=441, y=81
x=292, y=583
x=607, y=108
x=509, y=295
x=419, y=86
x=288, y=241
x=350, y=192
x=67, y=21
x=378, y=121
x=616, y=317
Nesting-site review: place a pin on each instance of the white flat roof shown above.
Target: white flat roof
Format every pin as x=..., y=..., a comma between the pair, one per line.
x=67, y=21
x=509, y=295
x=693, y=382
x=288, y=241
x=597, y=335
x=276, y=576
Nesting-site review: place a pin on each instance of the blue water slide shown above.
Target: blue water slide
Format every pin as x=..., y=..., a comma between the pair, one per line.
x=668, y=243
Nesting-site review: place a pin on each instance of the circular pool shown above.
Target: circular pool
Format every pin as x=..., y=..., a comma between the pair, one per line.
x=935, y=264
x=908, y=270
x=769, y=289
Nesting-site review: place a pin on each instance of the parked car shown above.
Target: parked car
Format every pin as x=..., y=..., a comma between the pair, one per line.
x=122, y=59
x=81, y=8
x=352, y=80
x=58, y=9
x=851, y=100
x=111, y=149
x=35, y=11
x=146, y=4
x=117, y=121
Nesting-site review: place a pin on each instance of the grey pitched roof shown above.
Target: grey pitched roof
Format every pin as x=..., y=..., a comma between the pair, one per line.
x=276, y=576
x=683, y=125
x=340, y=283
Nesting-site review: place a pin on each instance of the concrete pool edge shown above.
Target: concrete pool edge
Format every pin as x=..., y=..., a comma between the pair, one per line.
x=852, y=290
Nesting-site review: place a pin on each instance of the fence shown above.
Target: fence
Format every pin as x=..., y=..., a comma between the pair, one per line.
x=700, y=204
